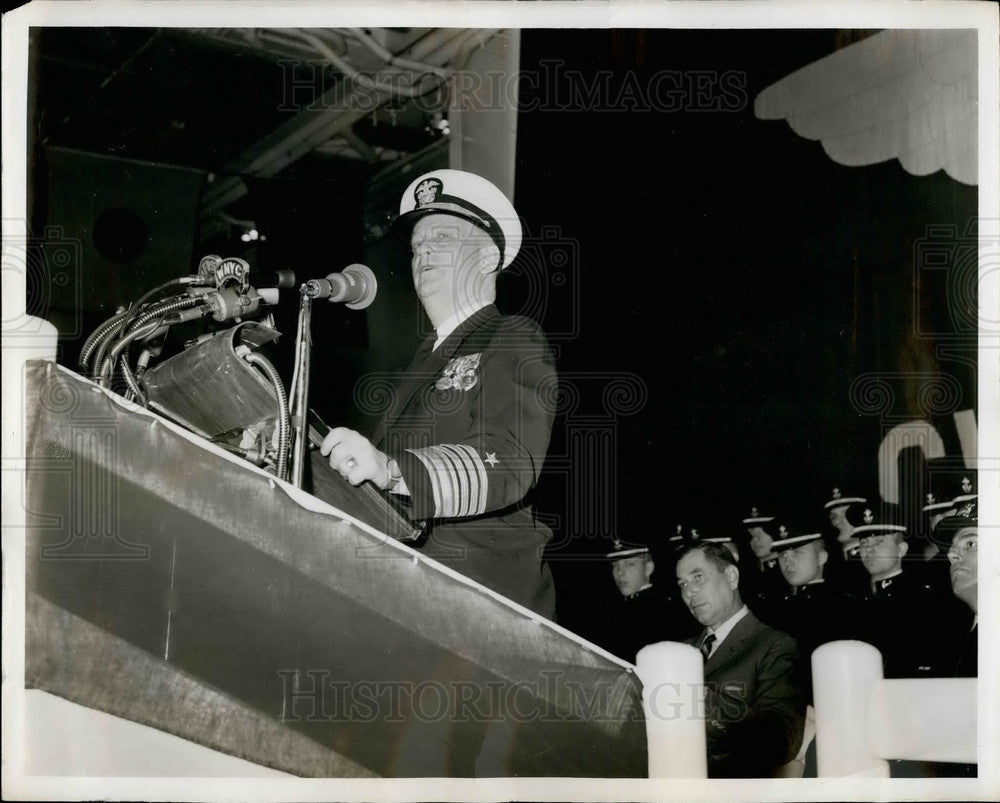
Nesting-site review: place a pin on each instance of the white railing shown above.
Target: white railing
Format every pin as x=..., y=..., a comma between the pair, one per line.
x=864, y=720
x=673, y=679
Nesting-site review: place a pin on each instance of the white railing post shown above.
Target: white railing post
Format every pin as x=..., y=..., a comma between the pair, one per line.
x=925, y=719
x=673, y=696
x=24, y=338
x=845, y=674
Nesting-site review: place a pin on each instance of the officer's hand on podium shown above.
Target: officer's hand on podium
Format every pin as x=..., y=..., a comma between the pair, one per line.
x=353, y=456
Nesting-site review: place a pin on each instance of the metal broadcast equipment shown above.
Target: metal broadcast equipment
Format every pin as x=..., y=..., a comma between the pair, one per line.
x=218, y=386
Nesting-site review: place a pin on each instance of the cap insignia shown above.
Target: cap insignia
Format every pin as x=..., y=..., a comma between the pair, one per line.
x=754, y=513
x=931, y=499
x=427, y=191
x=782, y=531
x=836, y=493
x=869, y=518
x=966, y=485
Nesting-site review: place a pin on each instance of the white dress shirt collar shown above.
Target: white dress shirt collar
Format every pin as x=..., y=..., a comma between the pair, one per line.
x=726, y=627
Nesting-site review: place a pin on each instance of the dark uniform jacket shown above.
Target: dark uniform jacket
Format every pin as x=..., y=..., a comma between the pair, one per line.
x=845, y=569
x=903, y=617
x=650, y=616
x=763, y=586
x=469, y=426
x=754, y=706
x=816, y=614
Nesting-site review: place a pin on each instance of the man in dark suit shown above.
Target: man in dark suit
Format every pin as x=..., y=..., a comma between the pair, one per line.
x=754, y=705
x=465, y=435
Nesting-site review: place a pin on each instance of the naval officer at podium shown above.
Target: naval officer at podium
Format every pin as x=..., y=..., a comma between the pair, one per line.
x=465, y=435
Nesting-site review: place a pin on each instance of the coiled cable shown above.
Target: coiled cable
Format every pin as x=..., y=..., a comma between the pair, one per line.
x=284, y=425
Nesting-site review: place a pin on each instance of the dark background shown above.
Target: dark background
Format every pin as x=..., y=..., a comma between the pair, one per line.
x=713, y=284
x=748, y=280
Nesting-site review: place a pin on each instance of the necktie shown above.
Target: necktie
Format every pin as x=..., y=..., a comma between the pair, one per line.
x=706, y=645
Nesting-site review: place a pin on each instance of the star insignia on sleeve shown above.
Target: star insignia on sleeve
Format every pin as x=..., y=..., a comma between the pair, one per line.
x=491, y=458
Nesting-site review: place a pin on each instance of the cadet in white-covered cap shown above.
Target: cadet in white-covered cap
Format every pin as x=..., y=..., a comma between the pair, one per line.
x=948, y=488
x=883, y=547
x=763, y=580
x=837, y=507
x=902, y=606
x=801, y=557
x=631, y=568
x=646, y=613
x=464, y=437
x=813, y=612
x=723, y=540
x=845, y=569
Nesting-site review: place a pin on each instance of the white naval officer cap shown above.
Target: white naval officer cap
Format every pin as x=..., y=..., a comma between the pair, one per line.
x=756, y=518
x=838, y=499
x=792, y=538
x=623, y=550
x=878, y=522
x=468, y=196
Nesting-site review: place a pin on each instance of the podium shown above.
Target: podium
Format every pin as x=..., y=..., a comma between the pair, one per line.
x=174, y=585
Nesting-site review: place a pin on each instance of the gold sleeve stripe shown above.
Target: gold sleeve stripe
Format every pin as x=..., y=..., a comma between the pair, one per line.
x=470, y=465
x=458, y=479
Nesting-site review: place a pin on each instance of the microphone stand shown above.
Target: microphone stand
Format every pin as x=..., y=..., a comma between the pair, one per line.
x=356, y=287
x=300, y=398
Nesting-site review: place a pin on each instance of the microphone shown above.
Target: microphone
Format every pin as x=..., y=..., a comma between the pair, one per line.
x=280, y=279
x=355, y=287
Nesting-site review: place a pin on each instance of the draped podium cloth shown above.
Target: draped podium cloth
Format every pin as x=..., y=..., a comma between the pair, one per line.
x=168, y=580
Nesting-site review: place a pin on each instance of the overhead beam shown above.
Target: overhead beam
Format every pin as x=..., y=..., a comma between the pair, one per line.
x=331, y=114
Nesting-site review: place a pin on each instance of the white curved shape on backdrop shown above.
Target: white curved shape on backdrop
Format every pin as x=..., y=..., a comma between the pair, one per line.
x=909, y=95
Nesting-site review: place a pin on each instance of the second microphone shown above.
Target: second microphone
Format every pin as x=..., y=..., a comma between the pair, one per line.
x=355, y=287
